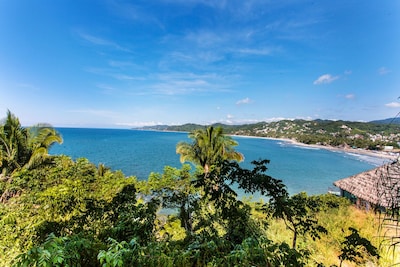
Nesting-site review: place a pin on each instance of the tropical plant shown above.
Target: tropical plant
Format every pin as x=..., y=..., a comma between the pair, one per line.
x=208, y=147
x=299, y=214
x=14, y=151
x=24, y=147
x=40, y=138
x=59, y=251
x=356, y=248
x=174, y=187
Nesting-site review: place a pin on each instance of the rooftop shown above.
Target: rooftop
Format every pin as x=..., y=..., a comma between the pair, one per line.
x=379, y=186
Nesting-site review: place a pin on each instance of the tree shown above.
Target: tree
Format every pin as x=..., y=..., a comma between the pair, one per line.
x=299, y=215
x=13, y=144
x=78, y=205
x=24, y=147
x=232, y=213
x=208, y=147
x=40, y=138
x=355, y=248
x=176, y=191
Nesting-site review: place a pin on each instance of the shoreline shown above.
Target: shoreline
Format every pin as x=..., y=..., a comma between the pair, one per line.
x=376, y=154
x=392, y=156
x=371, y=153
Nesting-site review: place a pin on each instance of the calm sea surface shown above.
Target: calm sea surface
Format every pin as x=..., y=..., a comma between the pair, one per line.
x=139, y=153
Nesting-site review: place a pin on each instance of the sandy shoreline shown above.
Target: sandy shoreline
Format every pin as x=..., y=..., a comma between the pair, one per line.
x=376, y=154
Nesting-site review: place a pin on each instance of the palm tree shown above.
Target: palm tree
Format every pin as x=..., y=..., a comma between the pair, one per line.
x=24, y=147
x=40, y=138
x=209, y=146
x=13, y=146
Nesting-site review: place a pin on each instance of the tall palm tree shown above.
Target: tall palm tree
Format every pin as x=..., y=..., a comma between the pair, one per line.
x=24, y=147
x=40, y=138
x=209, y=145
x=13, y=145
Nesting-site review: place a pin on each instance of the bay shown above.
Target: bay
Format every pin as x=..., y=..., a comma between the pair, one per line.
x=138, y=153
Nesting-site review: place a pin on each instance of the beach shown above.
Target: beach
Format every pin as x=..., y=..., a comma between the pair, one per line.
x=378, y=154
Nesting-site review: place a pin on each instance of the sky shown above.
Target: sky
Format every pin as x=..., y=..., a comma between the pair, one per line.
x=123, y=64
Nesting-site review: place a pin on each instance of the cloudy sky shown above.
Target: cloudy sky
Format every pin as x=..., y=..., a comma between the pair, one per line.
x=114, y=63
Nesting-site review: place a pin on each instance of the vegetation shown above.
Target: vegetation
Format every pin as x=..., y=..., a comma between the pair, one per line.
x=209, y=146
x=24, y=147
x=72, y=213
x=372, y=135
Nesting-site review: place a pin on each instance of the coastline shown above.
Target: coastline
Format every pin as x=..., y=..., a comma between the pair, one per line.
x=376, y=154
x=392, y=156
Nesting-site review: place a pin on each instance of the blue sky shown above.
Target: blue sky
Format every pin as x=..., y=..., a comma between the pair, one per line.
x=133, y=63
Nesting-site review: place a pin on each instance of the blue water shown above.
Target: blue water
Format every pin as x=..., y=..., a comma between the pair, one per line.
x=138, y=153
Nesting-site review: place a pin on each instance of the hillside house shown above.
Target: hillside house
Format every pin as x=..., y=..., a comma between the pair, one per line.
x=378, y=188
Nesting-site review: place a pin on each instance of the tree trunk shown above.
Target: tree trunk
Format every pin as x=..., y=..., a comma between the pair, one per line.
x=186, y=221
x=294, y=239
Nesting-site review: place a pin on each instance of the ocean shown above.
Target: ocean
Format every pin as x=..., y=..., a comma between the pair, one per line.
x=138, y=153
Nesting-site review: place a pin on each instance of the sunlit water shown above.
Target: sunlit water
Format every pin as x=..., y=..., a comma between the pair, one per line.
x=139, y=153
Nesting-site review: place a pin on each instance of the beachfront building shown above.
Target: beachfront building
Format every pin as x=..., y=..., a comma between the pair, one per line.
x=378, y=188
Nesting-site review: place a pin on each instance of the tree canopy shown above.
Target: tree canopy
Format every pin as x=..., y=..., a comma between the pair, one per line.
x=24, y=147
x=209, y=146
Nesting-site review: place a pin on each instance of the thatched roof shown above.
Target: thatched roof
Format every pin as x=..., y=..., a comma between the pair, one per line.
x=379, y=186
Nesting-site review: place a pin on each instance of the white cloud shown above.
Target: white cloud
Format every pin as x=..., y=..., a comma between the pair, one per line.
x=125, y=77
x=106, y=89
x=27, y=87
x=244, y=101
x=101, y=41
x=383, y=71
x=350, y=96
x=347, y=72
x=182, y=83
x=325, y=79
x=256, y=52
x=393, y=105
x=112, y=73
x=206, y=38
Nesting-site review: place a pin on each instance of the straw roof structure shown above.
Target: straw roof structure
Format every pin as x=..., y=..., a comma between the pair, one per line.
x=379, y=186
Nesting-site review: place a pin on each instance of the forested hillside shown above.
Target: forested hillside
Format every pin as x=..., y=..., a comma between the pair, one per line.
x=374, y=136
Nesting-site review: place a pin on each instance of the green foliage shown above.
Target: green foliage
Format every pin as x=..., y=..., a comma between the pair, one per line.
x=70, y=198
x=59, y=251
x=129, y=219
x=325, y=132
x=299, y=214
x=24, y=147
x=59, y=212
x=355, y=248
x=116, y=253
x=208, y=147
x=175, y=190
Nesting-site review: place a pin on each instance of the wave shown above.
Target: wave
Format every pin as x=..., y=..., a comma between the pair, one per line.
x=307, y=147
x=290, y=144
x=369, y=159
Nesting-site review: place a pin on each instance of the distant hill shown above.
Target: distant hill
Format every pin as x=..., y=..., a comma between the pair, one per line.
x=154, y=127
x=387, y=121
x=368, y=135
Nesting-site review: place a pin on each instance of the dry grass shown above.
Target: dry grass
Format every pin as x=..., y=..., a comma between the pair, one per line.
x=337, y=221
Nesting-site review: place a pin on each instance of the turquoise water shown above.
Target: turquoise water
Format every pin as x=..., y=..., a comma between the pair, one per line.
x=139, y=153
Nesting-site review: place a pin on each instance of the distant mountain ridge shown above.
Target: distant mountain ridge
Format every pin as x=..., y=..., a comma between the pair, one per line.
x=395, y=120
x=367, y=135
